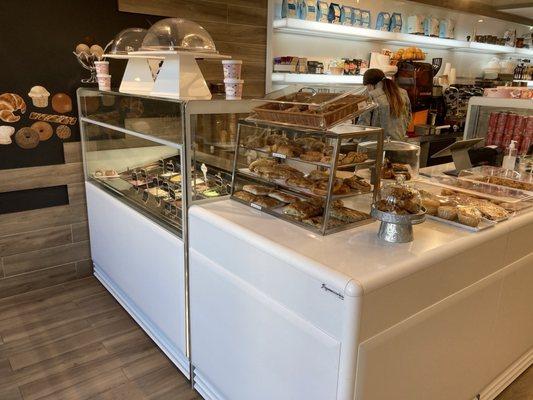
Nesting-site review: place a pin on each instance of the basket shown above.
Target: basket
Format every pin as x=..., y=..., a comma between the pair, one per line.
x=312, y=115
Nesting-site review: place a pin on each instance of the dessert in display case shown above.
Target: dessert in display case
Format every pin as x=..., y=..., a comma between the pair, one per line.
x=398, y=207
x=399, y=158
x=146, y=160
x=313, y=177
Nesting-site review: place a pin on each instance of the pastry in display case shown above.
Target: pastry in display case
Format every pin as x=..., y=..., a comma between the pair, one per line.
x=313, y=178
x=398, y=207
x=317, y=107
x=399, y=158
x=159, y=155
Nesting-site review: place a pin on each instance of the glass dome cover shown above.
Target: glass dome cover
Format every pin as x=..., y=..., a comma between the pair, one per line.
x=180, y=35
x=127, y=40
x=399, y=198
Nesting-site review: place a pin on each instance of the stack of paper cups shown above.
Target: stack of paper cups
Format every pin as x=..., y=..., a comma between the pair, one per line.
x=452, y=77
x=232, y=78
x=102, y=75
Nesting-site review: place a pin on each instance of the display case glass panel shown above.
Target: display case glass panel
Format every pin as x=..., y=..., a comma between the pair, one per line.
x=318, y=180
x=159, y=155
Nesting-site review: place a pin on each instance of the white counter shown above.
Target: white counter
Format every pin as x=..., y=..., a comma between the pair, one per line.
x=448, y=316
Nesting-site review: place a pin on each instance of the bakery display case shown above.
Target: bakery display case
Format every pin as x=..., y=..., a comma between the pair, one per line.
x=146, y=161
x=316, y=179
x=158, y=155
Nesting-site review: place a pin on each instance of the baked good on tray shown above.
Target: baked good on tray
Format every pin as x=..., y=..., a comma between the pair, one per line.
x=283, y=197
x=321, y=187
x=447, y=212
x=258, y=190
x=348, y=215
x=358, y=183
x=468, y=215
x=313, y=156
x=300, y=182
x=245, y=196
x=302, y=210
x=317, y=175
x=261, y=162
x=267, y=202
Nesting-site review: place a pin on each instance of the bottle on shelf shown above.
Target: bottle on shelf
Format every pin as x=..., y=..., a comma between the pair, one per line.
x=509, y=160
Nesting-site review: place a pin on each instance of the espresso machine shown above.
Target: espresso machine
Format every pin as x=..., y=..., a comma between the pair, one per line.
x=417, y=79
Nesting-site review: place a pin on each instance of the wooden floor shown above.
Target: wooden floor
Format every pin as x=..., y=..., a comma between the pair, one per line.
x=74, y=341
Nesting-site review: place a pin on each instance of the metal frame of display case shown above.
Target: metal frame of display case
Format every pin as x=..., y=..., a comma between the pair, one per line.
x=338, y=137
x=185, y=149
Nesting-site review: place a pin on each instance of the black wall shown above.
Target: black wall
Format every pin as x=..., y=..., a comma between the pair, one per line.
x=37, y=38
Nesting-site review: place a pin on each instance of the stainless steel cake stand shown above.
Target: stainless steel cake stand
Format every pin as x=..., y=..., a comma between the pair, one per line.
x=396, y=228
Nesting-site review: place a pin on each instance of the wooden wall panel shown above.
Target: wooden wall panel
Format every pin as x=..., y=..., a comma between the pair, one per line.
x=238, y=28
x=49, y=246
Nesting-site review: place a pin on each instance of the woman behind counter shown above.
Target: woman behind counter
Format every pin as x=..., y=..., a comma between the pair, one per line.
x=393, y=113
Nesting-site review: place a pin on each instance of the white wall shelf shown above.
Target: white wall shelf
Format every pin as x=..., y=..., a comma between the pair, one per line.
x=321, y=29
x=287, y=78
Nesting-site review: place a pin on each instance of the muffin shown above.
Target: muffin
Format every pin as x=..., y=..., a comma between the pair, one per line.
x=468, y=215
x=447, y=212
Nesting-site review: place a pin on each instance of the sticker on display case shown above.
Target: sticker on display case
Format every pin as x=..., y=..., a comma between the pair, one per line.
x=256, y=206
x=279, y=155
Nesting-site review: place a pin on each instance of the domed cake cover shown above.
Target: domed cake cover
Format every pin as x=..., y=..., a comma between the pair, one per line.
x=400, y=198
x=130, y=39
x=178, y=34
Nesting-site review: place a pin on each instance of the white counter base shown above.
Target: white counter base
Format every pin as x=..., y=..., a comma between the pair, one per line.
x=142, y=266
x=440, y=318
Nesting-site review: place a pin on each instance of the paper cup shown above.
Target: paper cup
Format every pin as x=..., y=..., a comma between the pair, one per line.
x=233, y=88
x=232, y=69
x=104, y=82
x=102, y=67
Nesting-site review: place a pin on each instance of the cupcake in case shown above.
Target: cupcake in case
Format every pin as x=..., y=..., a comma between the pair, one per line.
x=233, y=88
x=39, y=96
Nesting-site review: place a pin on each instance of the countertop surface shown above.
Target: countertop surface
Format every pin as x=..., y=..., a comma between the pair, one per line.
x=357, y=253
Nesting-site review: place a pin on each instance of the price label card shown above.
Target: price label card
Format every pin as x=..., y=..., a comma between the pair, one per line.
x=278, y=155
x=256, y=206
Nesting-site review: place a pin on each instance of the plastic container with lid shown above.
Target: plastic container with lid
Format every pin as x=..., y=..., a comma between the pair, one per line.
x=127, y=40
x=178, y=34
x=399, y=158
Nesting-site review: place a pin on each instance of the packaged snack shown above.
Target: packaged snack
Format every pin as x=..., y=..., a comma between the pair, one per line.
x=431, y=26
x=289, y=9
x=322, y=10
x=357, y=21
x=334, y=14
x=415, y=24
x=365, y=18
x=311, y=7
x=347, y=14
x=447, y=28
x=301, y=9
x=383, y=21
x=395, y=22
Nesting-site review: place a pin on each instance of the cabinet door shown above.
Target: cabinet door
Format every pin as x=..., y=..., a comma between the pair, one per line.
x=440, y=353
x=247, y=346
x=142, y=264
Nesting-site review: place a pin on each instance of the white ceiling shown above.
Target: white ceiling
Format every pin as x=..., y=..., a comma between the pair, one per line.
x=523, y=12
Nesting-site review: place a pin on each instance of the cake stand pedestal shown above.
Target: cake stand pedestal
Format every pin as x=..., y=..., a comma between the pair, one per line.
x=396, y=228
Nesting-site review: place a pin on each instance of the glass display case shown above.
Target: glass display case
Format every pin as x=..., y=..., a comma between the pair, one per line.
x=316, y=179
x=159, y=155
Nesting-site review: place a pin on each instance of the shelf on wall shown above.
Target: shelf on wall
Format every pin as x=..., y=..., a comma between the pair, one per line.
x=322, y=29
x=288, y=78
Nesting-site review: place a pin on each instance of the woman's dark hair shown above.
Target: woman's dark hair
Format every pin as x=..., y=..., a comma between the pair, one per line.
x=373, y=76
